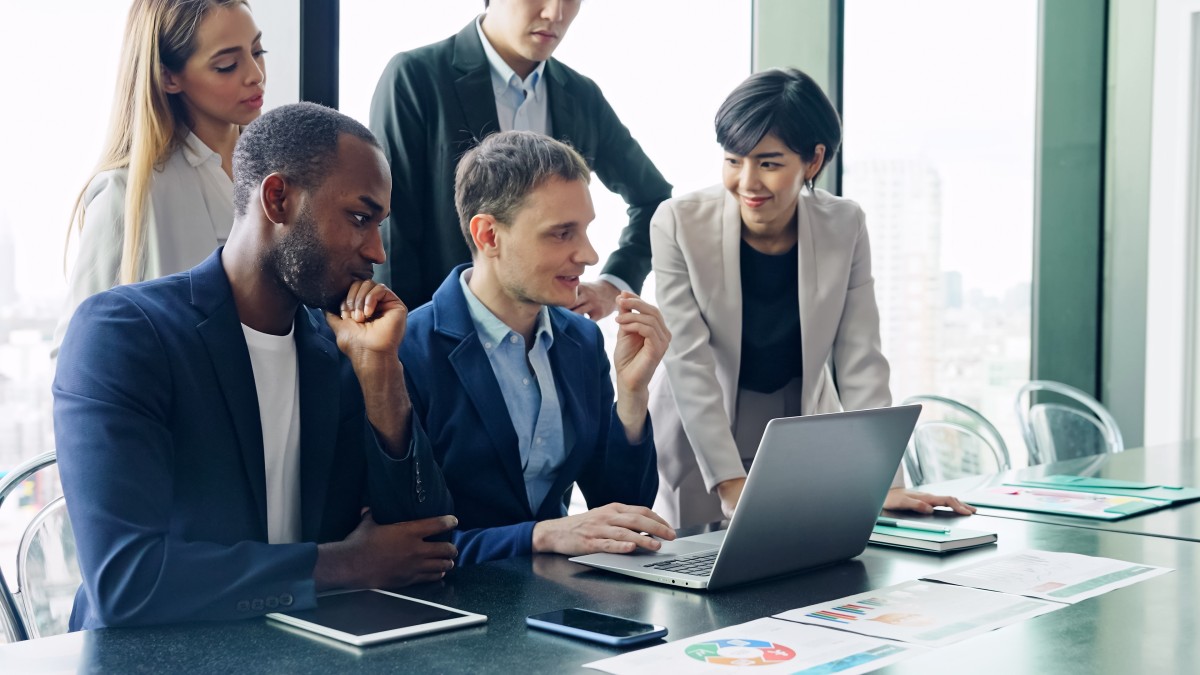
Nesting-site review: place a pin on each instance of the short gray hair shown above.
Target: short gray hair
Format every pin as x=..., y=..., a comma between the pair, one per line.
x=496, y=176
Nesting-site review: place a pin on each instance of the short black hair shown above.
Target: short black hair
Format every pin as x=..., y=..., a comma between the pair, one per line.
x=298, y=141
x=786, y=103
x=496, y=176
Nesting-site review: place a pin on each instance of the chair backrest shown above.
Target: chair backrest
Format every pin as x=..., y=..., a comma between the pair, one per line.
x=952, y=440
x=47, y=569
x=1055, y=431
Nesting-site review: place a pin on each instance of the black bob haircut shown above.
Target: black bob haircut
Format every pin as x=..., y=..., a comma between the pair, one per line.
x=298, y=141
x=784, y=102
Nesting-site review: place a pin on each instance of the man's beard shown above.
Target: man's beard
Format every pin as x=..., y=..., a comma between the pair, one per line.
x=300, y=262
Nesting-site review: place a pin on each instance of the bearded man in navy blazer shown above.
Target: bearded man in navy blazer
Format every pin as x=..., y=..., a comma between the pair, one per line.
x=513, y=389
x=434, y=103
x=232, y=439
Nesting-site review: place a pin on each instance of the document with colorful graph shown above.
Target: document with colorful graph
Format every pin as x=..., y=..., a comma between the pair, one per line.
x=1064, y=502
x=762, y=646
x=1060, y=577
x=922, y=612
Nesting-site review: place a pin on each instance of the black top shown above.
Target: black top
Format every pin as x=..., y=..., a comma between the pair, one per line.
x=771, y=354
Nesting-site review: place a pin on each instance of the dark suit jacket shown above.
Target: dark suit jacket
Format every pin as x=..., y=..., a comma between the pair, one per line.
x=160, y=452
x=434, y=103
x=458, y=401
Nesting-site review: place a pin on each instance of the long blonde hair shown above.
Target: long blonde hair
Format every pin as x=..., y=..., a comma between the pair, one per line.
x=146, y=124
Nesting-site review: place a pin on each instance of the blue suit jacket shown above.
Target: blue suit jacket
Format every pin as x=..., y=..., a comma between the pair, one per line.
x=458, y=401
x=160, y=452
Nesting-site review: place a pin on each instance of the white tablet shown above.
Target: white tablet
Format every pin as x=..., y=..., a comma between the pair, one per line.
x=365, y=617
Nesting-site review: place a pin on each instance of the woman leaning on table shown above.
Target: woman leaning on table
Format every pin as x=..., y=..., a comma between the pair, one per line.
x=161, y=199
x=765, y=283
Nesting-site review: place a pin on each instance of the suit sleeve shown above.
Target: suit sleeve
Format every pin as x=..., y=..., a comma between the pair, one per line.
x=408, y=488
x=862, y=371
x=397, y=121
x=112, y=403
x=624, y=168
x=690, y=361
x=619, y=471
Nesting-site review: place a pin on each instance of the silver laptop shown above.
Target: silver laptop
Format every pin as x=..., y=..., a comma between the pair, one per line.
x=811, y=498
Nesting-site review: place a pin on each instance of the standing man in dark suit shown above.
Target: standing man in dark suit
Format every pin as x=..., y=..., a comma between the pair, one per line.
x=220, y=430
x=434, y=103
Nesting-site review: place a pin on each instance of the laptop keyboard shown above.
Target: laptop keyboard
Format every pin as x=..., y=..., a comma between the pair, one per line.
x=698, y=566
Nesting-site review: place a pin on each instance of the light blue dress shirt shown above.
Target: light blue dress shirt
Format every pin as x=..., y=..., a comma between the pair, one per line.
x=527, y=385
x=521, y=105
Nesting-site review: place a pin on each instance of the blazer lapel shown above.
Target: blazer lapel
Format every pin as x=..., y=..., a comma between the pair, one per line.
x=222, y=334
x=452, y=319
x=806, y=259
x=474, y=87
x=562, y=102
x=317, y=364
x=731, y=322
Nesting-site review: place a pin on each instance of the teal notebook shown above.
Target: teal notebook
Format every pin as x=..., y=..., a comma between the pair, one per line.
x=1174, y=494
x=1065, y=502
x=937, y=542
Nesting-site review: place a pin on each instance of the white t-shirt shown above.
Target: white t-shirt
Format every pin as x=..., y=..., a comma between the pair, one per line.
x=276, y=379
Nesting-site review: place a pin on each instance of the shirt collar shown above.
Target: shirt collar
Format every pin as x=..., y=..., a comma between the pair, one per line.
x=196, y=152
x=504, y=76
x=492, y=331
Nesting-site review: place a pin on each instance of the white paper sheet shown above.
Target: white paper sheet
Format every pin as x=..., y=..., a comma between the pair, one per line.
x=762, y=646
x=921, y=612
x=1059, y=577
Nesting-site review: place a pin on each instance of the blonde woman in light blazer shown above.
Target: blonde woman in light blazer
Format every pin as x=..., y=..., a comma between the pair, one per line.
x=765, y=284
x=192, y=75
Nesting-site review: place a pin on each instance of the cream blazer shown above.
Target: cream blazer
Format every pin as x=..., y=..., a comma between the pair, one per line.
x=189, y=213
x=696, y=243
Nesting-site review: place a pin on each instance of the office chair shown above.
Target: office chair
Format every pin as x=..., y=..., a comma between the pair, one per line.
x=47, y=570
x=952, y=440
x=1056, y=431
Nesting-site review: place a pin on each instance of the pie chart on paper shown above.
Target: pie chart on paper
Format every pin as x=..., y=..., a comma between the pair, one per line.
x=740, y=652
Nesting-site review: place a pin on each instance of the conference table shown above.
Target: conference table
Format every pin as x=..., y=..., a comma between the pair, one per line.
x=1147, y=627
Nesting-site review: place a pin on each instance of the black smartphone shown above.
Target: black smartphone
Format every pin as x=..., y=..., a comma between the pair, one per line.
x=596, y=626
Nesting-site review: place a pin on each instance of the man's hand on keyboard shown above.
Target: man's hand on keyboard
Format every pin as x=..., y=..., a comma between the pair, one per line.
x=614, y=528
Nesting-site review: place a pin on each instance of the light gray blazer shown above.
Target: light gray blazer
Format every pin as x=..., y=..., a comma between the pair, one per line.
x=696, y=241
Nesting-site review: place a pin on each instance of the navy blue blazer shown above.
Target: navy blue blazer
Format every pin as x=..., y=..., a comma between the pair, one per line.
x=458, y=401
x=160, y=452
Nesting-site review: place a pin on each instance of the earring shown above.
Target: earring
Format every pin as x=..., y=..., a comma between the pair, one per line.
x=809, y=184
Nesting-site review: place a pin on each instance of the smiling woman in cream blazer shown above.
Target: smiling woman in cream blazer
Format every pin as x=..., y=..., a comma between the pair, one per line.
x=766, y=286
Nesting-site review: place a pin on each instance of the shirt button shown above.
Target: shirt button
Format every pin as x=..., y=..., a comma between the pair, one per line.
x=256, y=604
x=243, y=606
x=513, y=339
x=525, y=380
x=539, y=440
x=487, y=345
x=286, y=599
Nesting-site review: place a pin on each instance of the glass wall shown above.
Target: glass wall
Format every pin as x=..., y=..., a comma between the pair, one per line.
x=57, y=114
x=939, y=109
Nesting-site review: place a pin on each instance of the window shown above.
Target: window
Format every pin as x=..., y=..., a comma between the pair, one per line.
x=58, y=113
x=939, y=106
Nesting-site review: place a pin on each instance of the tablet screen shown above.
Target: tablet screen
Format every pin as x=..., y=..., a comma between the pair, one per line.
x=367, y=612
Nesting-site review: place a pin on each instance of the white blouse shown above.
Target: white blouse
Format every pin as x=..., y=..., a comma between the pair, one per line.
x=189, y=214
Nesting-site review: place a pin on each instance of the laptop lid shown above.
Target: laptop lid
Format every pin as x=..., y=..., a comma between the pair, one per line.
x=811, y=498
x=812, y=495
